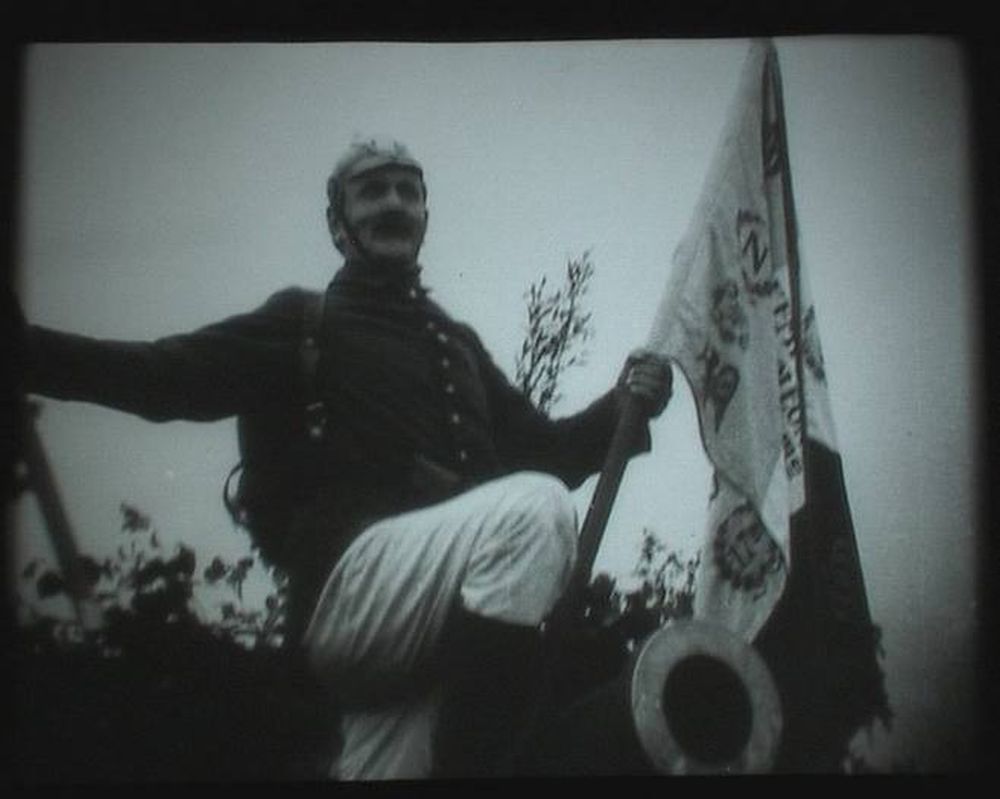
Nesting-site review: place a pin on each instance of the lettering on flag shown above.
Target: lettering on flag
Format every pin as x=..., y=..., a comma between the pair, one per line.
x=738, y=320
x=728, y=319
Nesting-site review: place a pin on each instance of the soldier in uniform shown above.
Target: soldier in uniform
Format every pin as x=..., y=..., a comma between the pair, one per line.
x=422, y=512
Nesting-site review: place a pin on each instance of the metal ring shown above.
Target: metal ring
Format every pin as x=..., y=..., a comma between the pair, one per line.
x=659, y=655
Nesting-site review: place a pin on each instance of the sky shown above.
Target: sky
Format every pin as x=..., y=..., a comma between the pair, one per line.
x=165, y=186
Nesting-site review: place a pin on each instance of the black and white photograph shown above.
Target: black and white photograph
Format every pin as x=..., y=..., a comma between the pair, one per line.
x=401, y=410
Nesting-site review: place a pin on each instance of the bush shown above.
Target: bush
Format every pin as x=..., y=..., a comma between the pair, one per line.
x=156, y=692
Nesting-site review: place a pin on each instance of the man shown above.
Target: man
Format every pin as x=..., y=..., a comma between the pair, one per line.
x=425, y=524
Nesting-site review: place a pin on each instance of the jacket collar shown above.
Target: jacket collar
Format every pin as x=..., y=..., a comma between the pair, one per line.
x=377, y=276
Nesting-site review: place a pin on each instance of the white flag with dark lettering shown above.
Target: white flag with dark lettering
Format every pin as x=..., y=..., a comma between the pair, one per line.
x=728, y=318
x=780, y=564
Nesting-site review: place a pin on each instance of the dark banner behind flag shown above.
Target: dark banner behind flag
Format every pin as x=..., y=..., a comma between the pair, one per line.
x=779, y=565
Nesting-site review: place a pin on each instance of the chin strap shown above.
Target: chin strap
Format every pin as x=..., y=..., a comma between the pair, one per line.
x=352, y=247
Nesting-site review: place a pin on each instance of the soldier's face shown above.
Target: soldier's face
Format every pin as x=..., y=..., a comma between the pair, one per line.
x=386, y=213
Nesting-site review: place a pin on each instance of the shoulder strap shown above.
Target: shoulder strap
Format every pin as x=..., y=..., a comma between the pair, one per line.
x=309, y=351
x=309, y=354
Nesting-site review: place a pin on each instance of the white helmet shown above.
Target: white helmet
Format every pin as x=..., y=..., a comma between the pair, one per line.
x=362, y=156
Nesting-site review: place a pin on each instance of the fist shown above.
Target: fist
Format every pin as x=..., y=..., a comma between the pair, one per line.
x=648, y=376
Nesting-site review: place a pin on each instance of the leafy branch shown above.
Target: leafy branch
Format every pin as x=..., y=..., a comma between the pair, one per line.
x=557, y=329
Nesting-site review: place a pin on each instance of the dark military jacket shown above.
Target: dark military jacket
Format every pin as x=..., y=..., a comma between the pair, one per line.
x=415, y=409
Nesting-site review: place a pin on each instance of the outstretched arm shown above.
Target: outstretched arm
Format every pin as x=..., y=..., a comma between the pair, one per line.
x=235, y=366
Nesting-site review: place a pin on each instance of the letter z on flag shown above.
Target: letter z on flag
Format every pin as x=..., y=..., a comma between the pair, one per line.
x=738, y=319
x=727, y=318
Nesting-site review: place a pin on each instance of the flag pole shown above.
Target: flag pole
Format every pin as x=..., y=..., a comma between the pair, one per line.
x=791, y=233
x=629, y=423
x=794, y=272
x=630, y=420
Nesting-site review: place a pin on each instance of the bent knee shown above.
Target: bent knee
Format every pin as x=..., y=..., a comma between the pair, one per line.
x=547, y=498
x=525, y=560
x=547, y=502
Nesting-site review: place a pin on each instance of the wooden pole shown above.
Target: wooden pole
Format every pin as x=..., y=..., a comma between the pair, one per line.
x=42, y=481
x=567, y=611
x=630, y=422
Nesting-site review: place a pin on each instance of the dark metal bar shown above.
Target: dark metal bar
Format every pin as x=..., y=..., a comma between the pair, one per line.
x=42, y=481
x=632, y=418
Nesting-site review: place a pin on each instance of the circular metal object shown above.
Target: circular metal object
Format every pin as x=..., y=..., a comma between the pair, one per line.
x=703, y=702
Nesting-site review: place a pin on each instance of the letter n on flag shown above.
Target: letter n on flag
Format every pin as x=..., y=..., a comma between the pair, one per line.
x=779, y=565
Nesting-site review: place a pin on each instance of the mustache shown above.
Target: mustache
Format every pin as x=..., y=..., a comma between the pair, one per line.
x=395, y=223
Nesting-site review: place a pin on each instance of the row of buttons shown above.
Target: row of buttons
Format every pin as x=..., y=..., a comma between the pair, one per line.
x=454, y=417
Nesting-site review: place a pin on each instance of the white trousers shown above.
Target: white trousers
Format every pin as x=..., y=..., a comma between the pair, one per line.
x=504, y=550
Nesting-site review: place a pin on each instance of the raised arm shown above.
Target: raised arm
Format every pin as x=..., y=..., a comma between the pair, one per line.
x=241, y=364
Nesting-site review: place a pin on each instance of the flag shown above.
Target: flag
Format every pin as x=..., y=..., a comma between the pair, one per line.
x=779, y=565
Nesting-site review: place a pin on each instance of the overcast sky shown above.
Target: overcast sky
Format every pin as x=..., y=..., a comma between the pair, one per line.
x=168, y=186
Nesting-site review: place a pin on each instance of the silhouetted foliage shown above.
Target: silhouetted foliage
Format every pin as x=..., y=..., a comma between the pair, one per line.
x=665, y=591
x=556, y=330
x=156, y=692
x=615, y=620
